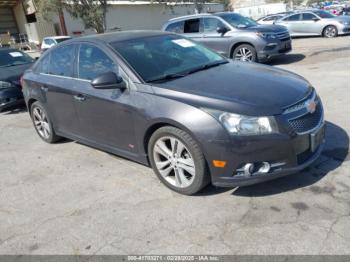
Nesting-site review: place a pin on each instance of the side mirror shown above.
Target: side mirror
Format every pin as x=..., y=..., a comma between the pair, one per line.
x=108, y=80
x=222, y=30
x=315, y=19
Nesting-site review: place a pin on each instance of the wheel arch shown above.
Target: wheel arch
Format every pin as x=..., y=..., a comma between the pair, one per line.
x=324, y=28
x=29, y=104
x=233, y=47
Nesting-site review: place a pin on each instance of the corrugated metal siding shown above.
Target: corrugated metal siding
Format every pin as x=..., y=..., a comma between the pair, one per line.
x=7, y=21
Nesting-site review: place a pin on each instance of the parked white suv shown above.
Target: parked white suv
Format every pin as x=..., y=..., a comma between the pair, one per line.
x=51, y=41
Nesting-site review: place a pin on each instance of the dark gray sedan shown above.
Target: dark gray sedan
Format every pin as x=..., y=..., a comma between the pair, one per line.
x=13, y=63
x=161, y=99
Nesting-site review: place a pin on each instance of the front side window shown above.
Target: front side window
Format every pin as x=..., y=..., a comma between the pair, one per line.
x=14, y=57
x=191, y=26
x=292, y=18
x=236, y=20
x=157, y=57
x=210, y=25
x=61, y=61
x=308, y=16
x=176, y=27
x=93, y=62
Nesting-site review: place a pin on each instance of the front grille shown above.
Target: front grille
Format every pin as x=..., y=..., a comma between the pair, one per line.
x=308, y=121
x=301, y=104
x=283, y=36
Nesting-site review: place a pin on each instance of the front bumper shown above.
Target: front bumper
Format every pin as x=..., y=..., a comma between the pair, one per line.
x=344, y=29
x=274, y=48
x=11, y=98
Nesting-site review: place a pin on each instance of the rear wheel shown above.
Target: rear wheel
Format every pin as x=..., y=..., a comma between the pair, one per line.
x=330, y=31
x=42, y=123
x=246, y=53
x=177, y=160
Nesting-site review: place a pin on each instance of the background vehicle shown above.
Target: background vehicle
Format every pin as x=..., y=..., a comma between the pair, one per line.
x=345, y=11
x=315, y=22
x=13, y=63
x=161, y=99
x=233, y=35
x=269, y=19
x=51, y=41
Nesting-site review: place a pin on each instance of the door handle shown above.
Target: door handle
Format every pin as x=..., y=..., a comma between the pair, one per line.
x=44, y=88
x=80, y=98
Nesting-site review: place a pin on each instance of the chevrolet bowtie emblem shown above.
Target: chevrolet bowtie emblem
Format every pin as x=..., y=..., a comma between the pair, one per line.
x=311, y=106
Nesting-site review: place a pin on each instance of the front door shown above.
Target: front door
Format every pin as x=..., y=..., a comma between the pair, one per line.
x=105, y=116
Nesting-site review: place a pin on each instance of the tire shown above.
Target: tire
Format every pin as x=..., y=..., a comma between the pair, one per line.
x=44, y=129
x=241, y=51
x=182, y=148
x=330, y=31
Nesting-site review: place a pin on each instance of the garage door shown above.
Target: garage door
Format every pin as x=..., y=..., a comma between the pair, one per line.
x=7, y=21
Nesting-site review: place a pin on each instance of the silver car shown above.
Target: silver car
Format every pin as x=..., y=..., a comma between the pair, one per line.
x=315, y=22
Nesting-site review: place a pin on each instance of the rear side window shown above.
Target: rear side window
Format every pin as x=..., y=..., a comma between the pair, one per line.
x=176, y=27
x=191, y=26
x=292, y=18
x=94, y=62
x=43, y=66
x=49, y=42
x=61, y=61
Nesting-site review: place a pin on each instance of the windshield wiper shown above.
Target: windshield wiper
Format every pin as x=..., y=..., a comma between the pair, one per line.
x=166, y=77
x=206, y=66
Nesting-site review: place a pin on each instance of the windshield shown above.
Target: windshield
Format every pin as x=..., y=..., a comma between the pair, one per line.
x=13, y=58
x=324, y=14
x=59, y=40
x=166, y=56
x=237, y=20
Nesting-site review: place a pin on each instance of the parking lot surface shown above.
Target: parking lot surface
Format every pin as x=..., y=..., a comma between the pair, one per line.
x=68, y=198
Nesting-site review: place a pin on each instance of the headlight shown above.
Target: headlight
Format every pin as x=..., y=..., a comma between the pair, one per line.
x=345, y=22
x=245, y=125
x=267, y=35
x=4, y=84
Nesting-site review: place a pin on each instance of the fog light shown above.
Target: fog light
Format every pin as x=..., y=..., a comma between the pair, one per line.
x=264, y=168
x=248, y=169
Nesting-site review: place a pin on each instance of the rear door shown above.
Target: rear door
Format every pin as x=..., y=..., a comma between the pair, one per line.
x=105, y=116
x=57, y=86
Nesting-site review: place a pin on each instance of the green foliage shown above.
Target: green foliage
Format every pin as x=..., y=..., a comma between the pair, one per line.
x=91, y=12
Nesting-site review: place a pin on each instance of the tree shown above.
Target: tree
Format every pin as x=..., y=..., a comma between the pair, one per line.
x=91, y=12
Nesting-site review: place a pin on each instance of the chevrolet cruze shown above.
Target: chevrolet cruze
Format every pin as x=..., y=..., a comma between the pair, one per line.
x=162, y=100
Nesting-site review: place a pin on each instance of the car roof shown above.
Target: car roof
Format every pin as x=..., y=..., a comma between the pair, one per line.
x=190, y=16
x=119, y=36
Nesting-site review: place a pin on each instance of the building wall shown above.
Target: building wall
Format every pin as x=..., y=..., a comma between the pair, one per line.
x=139, y=16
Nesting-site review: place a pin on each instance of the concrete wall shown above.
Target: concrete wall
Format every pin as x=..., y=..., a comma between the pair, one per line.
x=258, y=11
x=139, y=16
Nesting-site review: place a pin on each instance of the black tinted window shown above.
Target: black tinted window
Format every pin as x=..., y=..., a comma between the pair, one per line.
x=293, y=18
x=93, y=62
x=308, y=16
x=211, y=24
x=177, y=27
x=61, y=61
x=191, y=26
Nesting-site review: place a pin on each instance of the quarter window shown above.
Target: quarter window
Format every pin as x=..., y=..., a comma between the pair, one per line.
x=61, y=61
x=211, y=24
x=191, y=26
x=176, y=27
x=94, y=62
x=43, y=66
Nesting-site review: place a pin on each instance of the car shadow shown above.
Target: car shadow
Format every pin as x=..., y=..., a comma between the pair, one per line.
x=335, y=152
x=286, y=59
x=22, y=109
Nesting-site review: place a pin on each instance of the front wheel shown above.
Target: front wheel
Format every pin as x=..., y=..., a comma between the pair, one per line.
x=330, y=31
x=246, y=53
x=177, y=160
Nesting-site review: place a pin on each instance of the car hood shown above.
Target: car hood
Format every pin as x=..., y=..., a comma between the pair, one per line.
x=238, y=87
x=341, y=18
x=13, y=73
x=266, y=28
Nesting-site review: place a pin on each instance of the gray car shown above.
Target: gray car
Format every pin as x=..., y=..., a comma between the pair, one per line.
x=233, y=35
x=315, y=22
x=163, y=100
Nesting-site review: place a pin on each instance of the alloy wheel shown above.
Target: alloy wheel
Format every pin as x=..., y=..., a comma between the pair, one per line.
x=330, y=31
x=174, y=161
x=41, y=122
x=244, y=54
